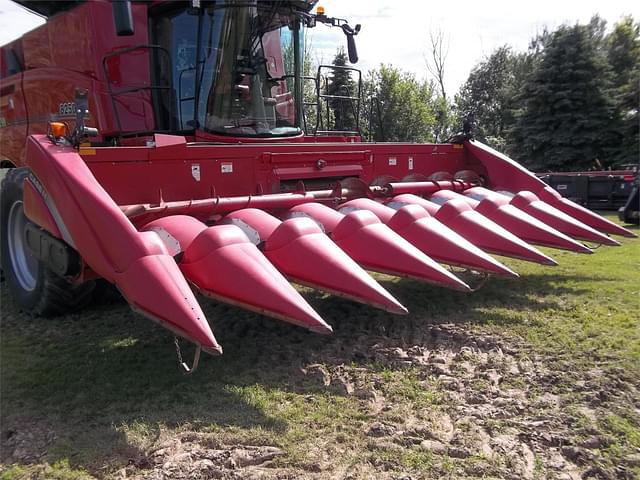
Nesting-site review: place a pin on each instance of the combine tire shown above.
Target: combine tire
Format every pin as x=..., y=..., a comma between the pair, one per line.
x=32, y=285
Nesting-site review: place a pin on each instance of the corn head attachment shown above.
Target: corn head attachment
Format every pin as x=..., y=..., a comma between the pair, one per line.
x=376, y=247
x=192, y=169
x=459, y=216
x=498, y=209
x=432, y=237
x=299, y=248
x=244, y=249
x=529, y=203
x=221, y=262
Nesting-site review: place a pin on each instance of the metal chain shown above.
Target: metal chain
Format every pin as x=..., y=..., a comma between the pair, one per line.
x=196, y=358
x=178, y=351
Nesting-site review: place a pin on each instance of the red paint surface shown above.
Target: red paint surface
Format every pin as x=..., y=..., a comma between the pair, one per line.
x=179, y=183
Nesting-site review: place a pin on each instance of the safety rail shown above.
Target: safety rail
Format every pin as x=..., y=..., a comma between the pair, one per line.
x=303, y=121
x=353, y=99
x=137, y=88
x=375, y=100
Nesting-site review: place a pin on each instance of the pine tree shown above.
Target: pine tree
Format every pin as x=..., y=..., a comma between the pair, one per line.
x=342, y=84
x=623, y=52
x=567, y=116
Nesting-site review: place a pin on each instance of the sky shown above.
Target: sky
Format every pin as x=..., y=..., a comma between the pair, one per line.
x=397, y=32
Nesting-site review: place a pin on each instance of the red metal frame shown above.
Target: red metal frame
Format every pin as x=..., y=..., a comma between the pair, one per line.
x=123, y=207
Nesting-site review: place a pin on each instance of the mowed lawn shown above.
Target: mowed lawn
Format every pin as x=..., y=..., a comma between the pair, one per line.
x=549, y=362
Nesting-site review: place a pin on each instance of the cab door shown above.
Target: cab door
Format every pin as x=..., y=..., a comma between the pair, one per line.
x=13, y=114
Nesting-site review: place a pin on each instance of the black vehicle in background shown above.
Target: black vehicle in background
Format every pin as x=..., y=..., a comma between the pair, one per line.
x=601, y=190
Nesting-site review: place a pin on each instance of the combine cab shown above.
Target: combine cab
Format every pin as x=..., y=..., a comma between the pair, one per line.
x=164, y=152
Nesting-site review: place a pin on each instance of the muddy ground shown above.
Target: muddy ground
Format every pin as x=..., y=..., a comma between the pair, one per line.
x=440, y=393
x=502, y=412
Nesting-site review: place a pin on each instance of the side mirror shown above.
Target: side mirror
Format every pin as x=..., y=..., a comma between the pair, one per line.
x=351, y=49
x=351, y=43
x=122, y=17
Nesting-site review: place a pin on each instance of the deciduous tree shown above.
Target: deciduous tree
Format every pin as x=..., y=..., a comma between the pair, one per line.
x=488, y=96
x=407, y=112
x=623, y=53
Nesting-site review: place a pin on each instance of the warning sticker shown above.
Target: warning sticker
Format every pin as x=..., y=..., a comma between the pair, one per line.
x=393, y=161
x=195, y=172
x=226, y=167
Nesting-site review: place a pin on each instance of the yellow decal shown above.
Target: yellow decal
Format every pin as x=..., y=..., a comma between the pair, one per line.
x=458, y=146
x=86, y=151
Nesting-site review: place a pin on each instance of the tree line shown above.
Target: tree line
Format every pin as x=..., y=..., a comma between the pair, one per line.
x=570, y=102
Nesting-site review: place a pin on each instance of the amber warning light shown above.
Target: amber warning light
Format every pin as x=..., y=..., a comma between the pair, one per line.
x=57, y=129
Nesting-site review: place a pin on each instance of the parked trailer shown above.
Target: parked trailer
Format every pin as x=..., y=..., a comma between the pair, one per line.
x=597, y=190
x=163, y=151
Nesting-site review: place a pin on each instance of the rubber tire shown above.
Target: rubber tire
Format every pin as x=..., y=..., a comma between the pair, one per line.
x=52, y=295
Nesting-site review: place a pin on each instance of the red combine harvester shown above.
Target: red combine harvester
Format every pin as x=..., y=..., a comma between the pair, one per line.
x=160, y=146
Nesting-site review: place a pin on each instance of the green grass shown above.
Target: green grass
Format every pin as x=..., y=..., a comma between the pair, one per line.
x=587, y=306
x=106, y=380
x=60, y=470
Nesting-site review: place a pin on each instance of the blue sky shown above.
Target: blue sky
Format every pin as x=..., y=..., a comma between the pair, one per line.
x=397, y=32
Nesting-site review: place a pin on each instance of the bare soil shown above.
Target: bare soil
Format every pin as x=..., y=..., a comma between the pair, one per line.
x=435, y=394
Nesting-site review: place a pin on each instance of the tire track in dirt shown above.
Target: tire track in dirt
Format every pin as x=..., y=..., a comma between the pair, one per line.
x=498, y=409
x=501, y=411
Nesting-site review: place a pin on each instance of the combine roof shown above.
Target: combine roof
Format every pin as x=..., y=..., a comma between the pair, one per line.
x=47, y=8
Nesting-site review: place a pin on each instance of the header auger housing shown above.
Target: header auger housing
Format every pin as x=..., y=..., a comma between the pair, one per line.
x=186, y=170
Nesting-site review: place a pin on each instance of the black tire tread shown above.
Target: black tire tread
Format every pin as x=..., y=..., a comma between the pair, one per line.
x=57, y=295
x=60, y=296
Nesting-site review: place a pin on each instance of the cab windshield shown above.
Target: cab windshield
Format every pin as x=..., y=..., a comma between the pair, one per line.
x=232, y=68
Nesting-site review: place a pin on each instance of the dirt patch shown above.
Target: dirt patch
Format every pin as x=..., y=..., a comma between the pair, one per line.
x=25, y=441
x=499, y=411
x=427, y=400
x=196, y=456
